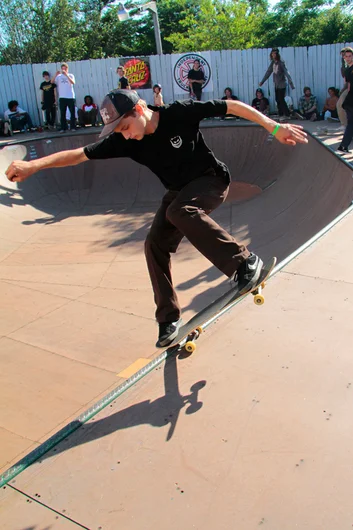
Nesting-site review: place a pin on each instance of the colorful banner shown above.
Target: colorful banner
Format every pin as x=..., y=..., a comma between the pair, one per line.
x=138, y=72
x=181, y=65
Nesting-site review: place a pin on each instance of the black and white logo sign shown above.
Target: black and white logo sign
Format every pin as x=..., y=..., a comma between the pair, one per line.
x=176, y=142
x=186, y=63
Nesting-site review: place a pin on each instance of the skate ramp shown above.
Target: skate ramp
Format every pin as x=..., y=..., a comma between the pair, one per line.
x=292, y=192
x=77, y=307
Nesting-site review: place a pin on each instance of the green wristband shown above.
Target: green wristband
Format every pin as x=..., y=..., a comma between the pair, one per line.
x=275, y=130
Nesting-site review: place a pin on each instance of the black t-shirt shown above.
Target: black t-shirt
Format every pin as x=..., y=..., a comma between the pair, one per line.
x=234, y=98
x=123, y=82
x=48, y=90
x=176, y=152
x=196, y=74
x=260, y=104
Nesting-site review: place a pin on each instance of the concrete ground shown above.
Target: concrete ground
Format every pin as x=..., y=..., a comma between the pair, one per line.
x=268, y=389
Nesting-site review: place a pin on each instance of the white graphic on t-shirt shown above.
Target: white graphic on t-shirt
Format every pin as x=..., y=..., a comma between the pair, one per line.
x=176, y=141
x=105, y=115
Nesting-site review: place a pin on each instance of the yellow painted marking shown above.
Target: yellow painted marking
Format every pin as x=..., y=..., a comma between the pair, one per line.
x=134, y=367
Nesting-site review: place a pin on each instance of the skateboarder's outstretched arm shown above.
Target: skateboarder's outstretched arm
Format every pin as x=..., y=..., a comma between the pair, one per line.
x=20, y=170
x=284, y=133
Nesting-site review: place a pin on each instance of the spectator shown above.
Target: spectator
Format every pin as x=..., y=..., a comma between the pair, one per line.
x=307, y=107
x=87, y=115
x=342, y=115
x=157, y=95
x=20, y=119
x=261, y=103
x=196, y=79
x=280, y=73
x=65, y=83
x=228, y=94
x=48, y=100
x=123, y=80
x=348, y=102
x=330, y=108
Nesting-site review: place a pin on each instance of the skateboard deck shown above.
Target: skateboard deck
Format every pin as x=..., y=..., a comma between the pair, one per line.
x=191, y=331
x=7, y=155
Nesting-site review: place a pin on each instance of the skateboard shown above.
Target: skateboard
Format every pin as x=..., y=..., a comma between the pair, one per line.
x=7, y=155
x=191, y=331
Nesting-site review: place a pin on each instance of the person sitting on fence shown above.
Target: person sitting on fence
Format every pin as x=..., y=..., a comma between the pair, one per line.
x=87, y=115
x=20, y=119
x=329, y=112
x=261, y=103
x=48, y=100
x=157, y=95
x=307, y=107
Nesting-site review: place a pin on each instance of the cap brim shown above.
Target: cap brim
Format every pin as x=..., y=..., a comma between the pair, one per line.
x=109, y=128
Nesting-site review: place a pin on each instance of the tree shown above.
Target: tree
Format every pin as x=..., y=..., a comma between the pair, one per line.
x=219, y=25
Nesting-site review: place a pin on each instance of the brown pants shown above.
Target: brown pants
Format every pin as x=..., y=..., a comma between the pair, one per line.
x=184, y=213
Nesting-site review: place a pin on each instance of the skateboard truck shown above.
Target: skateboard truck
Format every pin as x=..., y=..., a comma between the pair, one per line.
x=190, y=345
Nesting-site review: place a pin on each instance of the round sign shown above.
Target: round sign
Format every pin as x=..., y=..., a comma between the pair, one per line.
x=185, y=64
x=138, y=73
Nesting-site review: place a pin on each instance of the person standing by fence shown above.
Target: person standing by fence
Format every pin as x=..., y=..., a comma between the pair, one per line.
x=48, y=100
x=196, y=79
x=342, y=115
x=280, y=73
x=348, y=103
x=65, y=83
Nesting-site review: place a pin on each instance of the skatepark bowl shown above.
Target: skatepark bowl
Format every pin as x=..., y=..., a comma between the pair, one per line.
x=78, y=319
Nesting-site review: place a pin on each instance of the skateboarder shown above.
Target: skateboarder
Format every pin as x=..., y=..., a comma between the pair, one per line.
x=169, y=142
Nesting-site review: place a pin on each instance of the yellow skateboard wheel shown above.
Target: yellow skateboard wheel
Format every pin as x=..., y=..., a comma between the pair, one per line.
x=259, y=299
x=190, y=346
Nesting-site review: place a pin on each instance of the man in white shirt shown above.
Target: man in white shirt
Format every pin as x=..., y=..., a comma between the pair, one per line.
x=19, y=118
x=65, y=83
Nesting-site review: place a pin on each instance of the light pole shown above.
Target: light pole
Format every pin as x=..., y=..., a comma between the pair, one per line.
x=123, y=15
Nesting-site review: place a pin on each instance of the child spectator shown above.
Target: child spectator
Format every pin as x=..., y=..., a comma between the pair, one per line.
x=48, y=100
x=330, y=108
x=123, y=80
x=228, y=94
x=157, y=95
x=261, y=103
x=20, y=119
x=87, y=115
x=307, y=107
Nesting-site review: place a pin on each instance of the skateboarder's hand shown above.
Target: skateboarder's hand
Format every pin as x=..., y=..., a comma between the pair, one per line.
x=19, y=170
x=291, y=135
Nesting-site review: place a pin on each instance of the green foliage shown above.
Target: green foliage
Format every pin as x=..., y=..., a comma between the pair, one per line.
x=39, y=31
x=218, y=25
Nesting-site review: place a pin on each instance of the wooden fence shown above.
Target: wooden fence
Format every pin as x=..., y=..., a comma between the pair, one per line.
x=315, y=66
